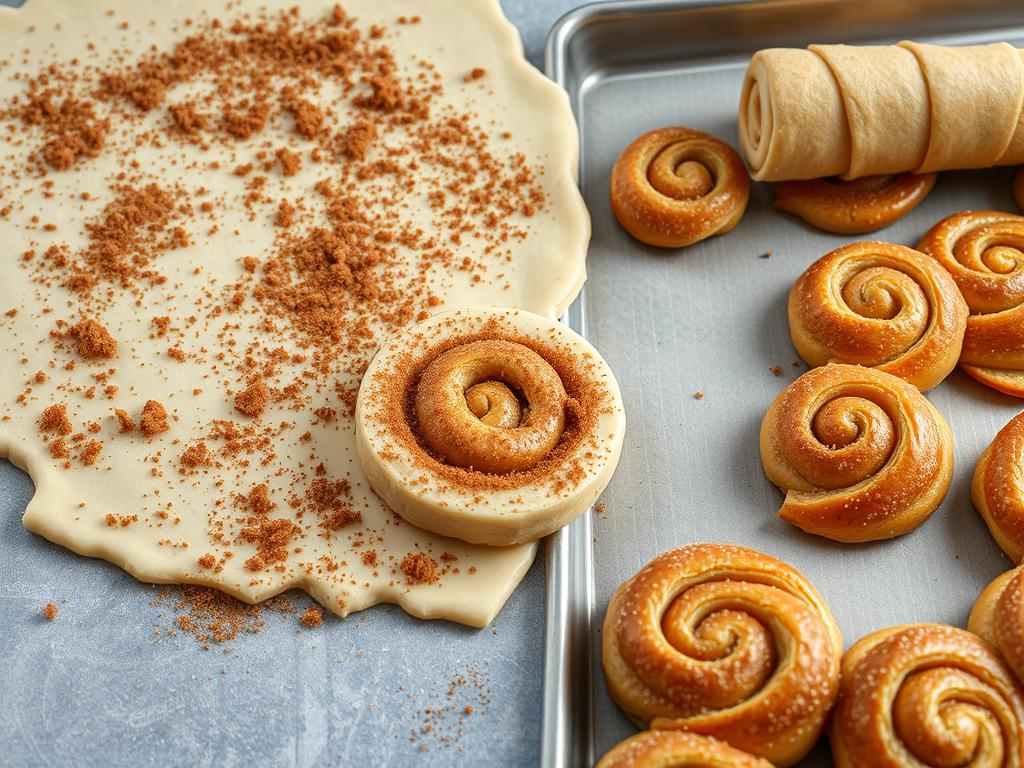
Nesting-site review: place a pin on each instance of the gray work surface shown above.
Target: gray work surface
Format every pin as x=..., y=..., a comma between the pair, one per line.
x=96, y=688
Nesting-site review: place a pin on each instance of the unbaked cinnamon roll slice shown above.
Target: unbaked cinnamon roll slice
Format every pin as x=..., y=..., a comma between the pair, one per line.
x=880, y=305
x=727, y=642
x=495, y=426
x=984, y=252
x=673, y=187
x=677, y=749
x=998, y=488
x=856, y=206
x=860, y=454
x=926, y=695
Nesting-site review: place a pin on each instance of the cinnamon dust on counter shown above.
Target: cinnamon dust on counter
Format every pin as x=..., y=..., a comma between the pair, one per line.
x=50, y=611
x=351, y=262
x=443, y=723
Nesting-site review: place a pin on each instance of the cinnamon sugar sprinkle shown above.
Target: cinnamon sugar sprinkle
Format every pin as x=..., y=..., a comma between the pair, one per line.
x=253, y=96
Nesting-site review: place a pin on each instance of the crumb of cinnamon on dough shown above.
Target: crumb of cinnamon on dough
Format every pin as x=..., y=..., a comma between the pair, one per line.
x=252, y=400
x=55, y=419
x=419, y=568
x=124, y=421
x=154, y=418
x=94, y=340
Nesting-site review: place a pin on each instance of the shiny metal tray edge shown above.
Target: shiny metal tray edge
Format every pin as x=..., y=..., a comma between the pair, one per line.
x=583, y=46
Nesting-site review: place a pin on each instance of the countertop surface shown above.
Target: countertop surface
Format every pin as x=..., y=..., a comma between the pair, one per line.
x=106, y=683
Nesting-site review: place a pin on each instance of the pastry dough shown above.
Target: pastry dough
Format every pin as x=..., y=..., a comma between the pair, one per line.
x=998, y=488
x=677, y=749
x=727, y=642
x=984, y=251
x=926, y=695
x=853, y=111
x=676, y=186
x=880, y=305
x=998, y=618
x=860, y=454
x=488, y=483
x=856, y=206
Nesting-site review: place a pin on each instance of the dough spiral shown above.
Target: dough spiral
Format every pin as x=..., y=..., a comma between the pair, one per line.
x=880, y=305
x=860, y=454
x=998, y=488
x=468, y=413
x=727, y=642
x=984, y=251
x=677, y=749
x=854, y=111
x=673, y=187
x=998, y=618
x=856, y=206
x=494, y=426
x=926, y=695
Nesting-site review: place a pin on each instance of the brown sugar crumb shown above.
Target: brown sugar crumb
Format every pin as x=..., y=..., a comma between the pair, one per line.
x=188, y=119
x=252, y=400
x=475, y=74
x=357, y=139
x=309, y=118
x=91, y=452
x=197, y=455
x=370, y=558
x=94, y=340
x=419, y=568
x=290, y=162
x=312, y=618
x=285, y=217
x=244, y=122
x=271, y=538
x=40, y=377
x=698, y=395
x=154, y=419
x=59, y=448
x=55, y=419
x=124, y=421
x=177, y=353
x=207, y=561
x=111, y=520
x=50, y=611
x=71, y=128
x=600, y=508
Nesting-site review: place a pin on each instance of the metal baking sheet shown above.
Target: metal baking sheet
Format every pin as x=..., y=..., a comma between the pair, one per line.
x=712, y=318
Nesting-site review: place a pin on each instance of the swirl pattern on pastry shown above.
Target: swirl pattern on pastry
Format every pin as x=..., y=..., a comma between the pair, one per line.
x=469, y=414
x=677, y=749
x=984, y=251
x=998, y=618
x=860, y=454
x=998, y=488
x=856, y=206
x=495, y=426
x=727, y=642
x=880, y=305
x=926, y=695
x=673, y=187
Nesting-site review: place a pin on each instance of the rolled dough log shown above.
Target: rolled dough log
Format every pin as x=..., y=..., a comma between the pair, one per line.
x=853, y=111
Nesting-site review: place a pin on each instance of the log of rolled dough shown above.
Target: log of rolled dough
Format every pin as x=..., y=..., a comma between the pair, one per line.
x=853, y=111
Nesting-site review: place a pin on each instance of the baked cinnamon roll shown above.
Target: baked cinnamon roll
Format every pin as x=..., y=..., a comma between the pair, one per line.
x=860, y=454
x=677, y=749
x=984, y=252
x=856, y=206
x=495, y=426
x=998, y=488
x=673, y=187
x=880, y=305
x=926, y=695
x=998, y=618
x=727, y=642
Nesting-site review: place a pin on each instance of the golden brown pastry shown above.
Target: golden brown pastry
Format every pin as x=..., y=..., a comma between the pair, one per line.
x=494, y=426
x=856, y=206
x=998, y=618
x=926, y=695
x=673, y=187
x=881, y=305
x=727, y=642
x=677, y=749
x=854, y=111
x=998, y=488
x=984, y=251
x=860, y=454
